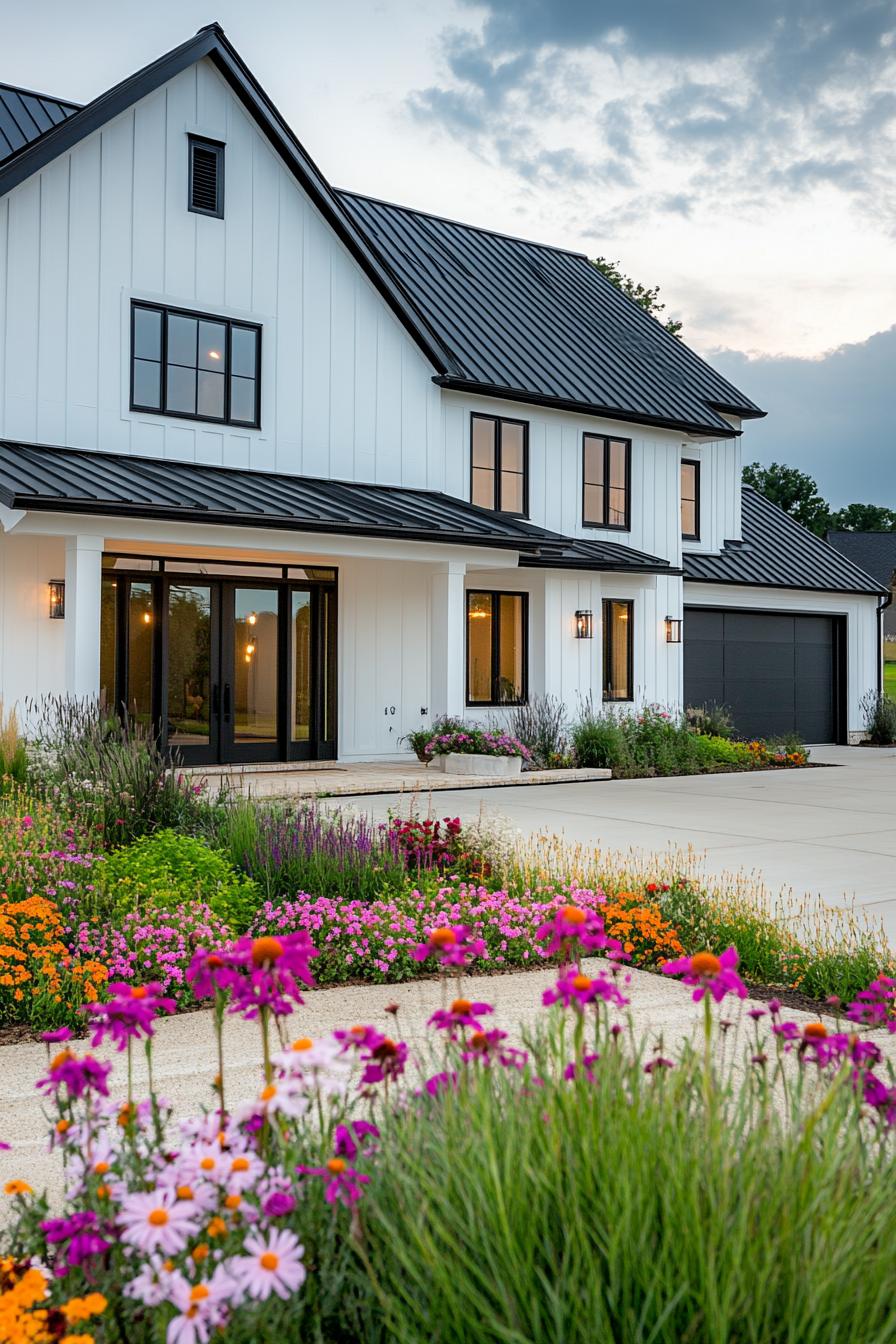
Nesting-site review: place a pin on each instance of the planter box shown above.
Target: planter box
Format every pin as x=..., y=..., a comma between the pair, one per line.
x=471, y=763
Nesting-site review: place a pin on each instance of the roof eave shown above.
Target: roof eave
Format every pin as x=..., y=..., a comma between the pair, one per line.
x=785, y=587
x=285, y=523
x=452, y=383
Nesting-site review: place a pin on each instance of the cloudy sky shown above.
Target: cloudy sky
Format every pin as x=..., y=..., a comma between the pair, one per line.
x=740, y=155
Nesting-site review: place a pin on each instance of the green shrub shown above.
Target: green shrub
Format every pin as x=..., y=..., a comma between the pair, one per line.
x=880, y=718
x=727, y=752
x=632, y=1206
x=113, y=775
x=709, y=720
x=166, y=870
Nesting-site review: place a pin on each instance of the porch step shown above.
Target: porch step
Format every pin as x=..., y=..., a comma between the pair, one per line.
x=353, y=779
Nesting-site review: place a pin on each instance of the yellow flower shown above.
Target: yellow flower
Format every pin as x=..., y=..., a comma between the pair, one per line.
x=82, y=1308
x=17, y=1188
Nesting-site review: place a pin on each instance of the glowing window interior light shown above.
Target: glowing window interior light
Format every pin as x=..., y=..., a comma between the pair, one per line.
x=252, y=617
x=214, y=354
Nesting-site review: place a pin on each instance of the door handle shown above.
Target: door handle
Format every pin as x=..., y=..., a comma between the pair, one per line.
x=227, y=702
x=216, y=700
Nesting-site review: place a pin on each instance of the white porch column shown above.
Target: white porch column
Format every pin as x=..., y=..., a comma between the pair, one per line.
x=447, y=639
x=83, y=580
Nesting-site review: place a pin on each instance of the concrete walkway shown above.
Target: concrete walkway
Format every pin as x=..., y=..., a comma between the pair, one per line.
x=335, y=779
x=184, y=1054
x=828, y=832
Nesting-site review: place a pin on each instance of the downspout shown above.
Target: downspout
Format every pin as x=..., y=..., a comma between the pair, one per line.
x=881, y=608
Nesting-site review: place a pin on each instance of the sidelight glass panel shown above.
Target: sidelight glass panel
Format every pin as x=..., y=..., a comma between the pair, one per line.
x=511, y=649
x=689, y=496
x=300, y=695
x=255, y=665
x=141, y=623
x=479, y=648
x=244, y=352
x=617, y=649
x=109, y=644
x=189, y=664
x=242, y=400
x=328, y=665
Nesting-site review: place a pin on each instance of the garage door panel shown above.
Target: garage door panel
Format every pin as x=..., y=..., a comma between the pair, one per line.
x=775, y=672
x=768, y=660
x=757, y=628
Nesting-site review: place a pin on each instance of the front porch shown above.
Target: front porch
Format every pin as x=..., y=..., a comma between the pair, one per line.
x=334, y=779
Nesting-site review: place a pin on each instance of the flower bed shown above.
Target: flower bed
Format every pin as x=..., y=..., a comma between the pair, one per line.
x=566, y=1164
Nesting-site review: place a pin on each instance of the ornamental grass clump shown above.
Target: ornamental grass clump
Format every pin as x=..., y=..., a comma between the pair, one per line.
x=580, y=1183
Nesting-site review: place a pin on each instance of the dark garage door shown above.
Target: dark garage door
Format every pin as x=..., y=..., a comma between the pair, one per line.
x=775, y=673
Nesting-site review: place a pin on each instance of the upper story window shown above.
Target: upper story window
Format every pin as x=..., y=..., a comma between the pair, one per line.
x=497, y=654
x=690, y=500
x=206, y=185
x=195, y=365
x=606, y=477
x=499, y=456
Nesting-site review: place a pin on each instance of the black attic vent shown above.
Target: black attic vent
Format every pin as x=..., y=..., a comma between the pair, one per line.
x=206, y=178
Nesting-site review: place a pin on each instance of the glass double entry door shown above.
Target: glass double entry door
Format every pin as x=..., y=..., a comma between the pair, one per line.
x=247, y=671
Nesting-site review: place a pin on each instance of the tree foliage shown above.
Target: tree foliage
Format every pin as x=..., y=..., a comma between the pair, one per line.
x=797, y=493
x=644, y=297
x=793, y=491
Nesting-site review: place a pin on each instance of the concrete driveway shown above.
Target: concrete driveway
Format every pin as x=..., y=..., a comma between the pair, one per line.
x=829, y=832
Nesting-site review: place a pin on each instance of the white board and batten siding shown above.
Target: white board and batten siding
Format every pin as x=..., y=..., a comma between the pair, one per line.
x=346, y=393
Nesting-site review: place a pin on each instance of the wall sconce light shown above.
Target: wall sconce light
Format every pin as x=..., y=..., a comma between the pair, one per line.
x=57, y=599
x=584, y=625
x=673, y=630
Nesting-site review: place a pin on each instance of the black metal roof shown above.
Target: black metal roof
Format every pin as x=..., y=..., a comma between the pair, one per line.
x=776, y=552
x=875, y=552
x=493, y=314
x=70, y=480
x=537, y=323
x=25, y=116
x=578, y=553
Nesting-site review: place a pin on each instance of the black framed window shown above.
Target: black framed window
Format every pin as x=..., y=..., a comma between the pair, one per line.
x=690, y=500
x=618, y=648
x=195, y=365
x=205, y=191
x=499, y=464
x=497, y=648
x=606, y=480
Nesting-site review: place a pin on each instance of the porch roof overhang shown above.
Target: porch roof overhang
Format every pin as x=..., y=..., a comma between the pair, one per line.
x=39, y=479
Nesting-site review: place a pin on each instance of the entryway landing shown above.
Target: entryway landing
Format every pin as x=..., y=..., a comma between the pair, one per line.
x=346, y=778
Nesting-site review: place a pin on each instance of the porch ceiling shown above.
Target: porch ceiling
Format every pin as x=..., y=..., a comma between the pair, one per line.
x=39, y=479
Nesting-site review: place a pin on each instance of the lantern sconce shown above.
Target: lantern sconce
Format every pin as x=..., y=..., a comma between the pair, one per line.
x=57, y=599
x=673, y=630
x=584, y=625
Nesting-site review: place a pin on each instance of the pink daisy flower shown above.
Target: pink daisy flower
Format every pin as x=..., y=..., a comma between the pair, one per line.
x=157, y=1222
x=202, y=1306
x=270, y=1265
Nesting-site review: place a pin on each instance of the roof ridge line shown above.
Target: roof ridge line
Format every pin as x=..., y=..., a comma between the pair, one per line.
x=461, y=223
x=34, y=93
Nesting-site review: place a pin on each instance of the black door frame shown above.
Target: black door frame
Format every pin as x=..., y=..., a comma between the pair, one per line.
x=220, y=748
x=840, y=628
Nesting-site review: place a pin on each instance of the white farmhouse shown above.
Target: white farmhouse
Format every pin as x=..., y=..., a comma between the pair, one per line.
x=288, y=471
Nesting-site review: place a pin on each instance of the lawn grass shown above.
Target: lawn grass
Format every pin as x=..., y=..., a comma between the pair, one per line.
x=890, y=679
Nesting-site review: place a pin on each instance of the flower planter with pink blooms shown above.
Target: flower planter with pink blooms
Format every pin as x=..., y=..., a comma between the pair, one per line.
x=476, y=763
x=473, y=751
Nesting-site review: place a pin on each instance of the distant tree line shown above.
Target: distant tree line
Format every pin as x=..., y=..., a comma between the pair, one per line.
x=797, y=494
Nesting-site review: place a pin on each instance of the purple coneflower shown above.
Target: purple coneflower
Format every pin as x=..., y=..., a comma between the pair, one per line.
x=76, y=1075
x=577, y=991
x=876, y=1005
x=129, y=1013
x=451, y=945
x=462, y=1013
x=709, y=972
x=343, y=1183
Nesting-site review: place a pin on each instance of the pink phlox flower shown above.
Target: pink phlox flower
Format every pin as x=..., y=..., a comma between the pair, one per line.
x=718, y=975
x=271, y=1264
